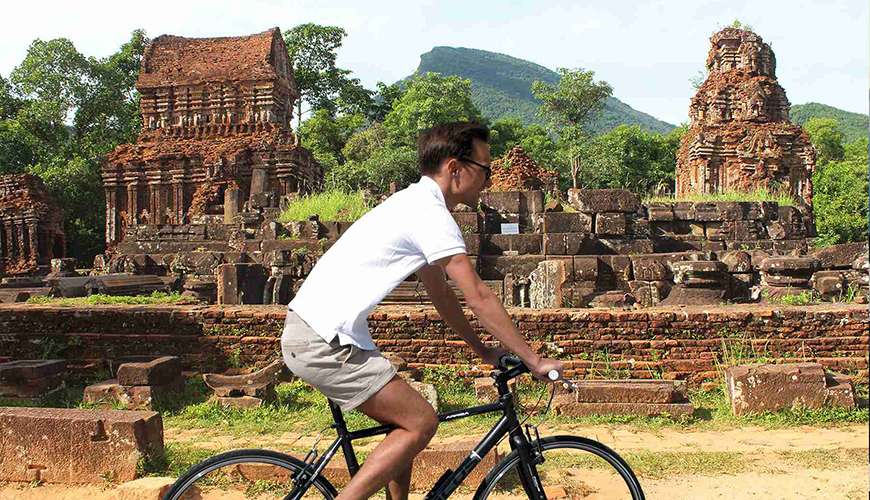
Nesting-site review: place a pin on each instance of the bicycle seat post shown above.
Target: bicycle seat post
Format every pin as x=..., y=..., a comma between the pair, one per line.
x=346, y=446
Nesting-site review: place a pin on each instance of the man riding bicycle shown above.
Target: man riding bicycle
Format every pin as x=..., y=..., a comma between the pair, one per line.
x=326, y=341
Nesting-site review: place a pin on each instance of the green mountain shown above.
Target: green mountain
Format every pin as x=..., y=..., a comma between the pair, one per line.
x=852, y=125
x=501, y=87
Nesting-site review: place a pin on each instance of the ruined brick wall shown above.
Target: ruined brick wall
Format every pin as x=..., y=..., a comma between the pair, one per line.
x=679, y=343
x=740, y=137
x=31, y=225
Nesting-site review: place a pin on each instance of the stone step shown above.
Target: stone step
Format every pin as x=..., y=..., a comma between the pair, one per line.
x=63, y=445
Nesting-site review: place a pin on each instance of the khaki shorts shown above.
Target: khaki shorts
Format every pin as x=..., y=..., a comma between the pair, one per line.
x=345, y=374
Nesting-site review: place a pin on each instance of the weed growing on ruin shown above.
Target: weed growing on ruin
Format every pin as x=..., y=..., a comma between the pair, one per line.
x=782, y=197
x=804, y=298
x=100, y=299
x=327, y=206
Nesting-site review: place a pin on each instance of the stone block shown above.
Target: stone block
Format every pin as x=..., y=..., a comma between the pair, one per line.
x=468, y=222
x=110, y=393
x=546, y=282
x=586, y=268
x=839, y=391
x=159, y=371
x=682, y=295
x=762, y=387
x=610, y=224
x=259, y=383
x=566, y=222
x=718, y=211
x=839, y=256
x=614, y=272
x=649, y=293
x=736, y=261
x=603, y=200
x=503, y=201
x=792, y=222
x=684, y=211
x=562, y=243
x=630, y=391
x=789, y=266
x=532, y=201
x=660, y=212
x=611, y=299
x=56, y=445
x=28, y=369
x=656, y=266
x=472, y=243
x=496, y=267
x=145, y=488
x=578, y=409
x=829, y=284
x=735, y=230
x=240, y=283
x=522, y=244
x=618, y=246
x=700, y=273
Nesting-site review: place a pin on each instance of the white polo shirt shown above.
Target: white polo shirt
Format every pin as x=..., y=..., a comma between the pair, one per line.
x=411, y=228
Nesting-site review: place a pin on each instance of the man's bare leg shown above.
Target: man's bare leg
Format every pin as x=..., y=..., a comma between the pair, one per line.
x=400, y=485
x=399, y=404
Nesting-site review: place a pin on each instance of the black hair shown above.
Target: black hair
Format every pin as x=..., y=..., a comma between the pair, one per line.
x=448, y=140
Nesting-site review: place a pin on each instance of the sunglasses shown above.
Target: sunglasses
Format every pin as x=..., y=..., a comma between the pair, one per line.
x=487, y=170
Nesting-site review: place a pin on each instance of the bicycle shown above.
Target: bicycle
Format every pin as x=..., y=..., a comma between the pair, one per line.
x=532, y=461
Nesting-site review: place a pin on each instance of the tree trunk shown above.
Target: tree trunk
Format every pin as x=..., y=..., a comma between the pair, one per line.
x=575, y=170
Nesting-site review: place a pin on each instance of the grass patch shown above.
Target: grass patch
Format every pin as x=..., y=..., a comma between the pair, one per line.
x=804, y=298
x=781, y=197
x=662, y=464
x=99, y=299
x=829, y=459
x=327, y=206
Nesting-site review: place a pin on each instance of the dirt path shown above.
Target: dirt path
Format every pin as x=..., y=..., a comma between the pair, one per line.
x=792, y=463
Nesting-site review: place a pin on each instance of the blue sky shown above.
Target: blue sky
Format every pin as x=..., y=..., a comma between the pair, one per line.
x=648, y=51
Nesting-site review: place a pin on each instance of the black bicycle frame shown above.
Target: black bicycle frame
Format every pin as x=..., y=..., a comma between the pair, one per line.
x=450, y=480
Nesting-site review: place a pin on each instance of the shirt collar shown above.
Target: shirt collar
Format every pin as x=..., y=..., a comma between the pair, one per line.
x=430, y=184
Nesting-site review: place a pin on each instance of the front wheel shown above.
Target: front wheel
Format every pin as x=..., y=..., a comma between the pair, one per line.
x=570, y=467
x=245, y=474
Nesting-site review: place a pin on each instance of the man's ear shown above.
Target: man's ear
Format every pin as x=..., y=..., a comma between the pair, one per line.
x=451, y=165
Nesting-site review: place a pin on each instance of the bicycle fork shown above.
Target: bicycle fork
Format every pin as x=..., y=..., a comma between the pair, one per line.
x=531, y=455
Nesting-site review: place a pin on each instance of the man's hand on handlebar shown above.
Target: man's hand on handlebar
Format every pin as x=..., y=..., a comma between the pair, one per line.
x=542, y=369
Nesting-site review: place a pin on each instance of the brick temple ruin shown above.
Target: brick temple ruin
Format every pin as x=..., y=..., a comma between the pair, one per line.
x=740, y=137
x=31, y=225
x=215, y=137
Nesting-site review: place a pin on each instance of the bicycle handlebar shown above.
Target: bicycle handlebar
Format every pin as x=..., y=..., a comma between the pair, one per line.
x=513, y=366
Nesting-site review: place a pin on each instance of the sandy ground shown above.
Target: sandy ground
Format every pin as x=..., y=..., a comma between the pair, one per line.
x=770, y=476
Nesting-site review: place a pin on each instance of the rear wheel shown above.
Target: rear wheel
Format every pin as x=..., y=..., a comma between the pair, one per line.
x=572, y=467
x=245, y=474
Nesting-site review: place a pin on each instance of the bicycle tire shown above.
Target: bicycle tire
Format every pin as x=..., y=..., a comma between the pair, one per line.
x=187, y=482
x=510, y=462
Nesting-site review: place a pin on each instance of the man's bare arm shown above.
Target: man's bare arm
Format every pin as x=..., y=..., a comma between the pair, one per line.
x=448, y=307
x=488, y=309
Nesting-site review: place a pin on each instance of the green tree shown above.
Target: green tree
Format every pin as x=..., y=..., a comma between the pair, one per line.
x=628, y=157
x=504, y=134
x=325, y=135
x=375, y=173
x=429, y=99
x=322, y=85
x=382, y=103
x=840, y=201
x=568, y=105
x=364, y=143
x=61, y=111
x=827, y=138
